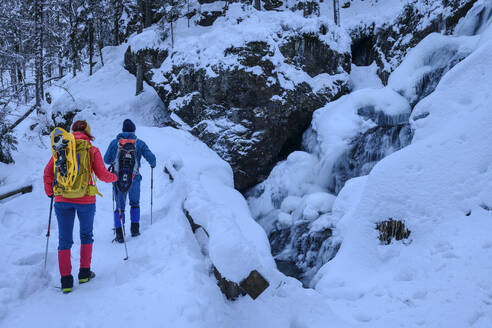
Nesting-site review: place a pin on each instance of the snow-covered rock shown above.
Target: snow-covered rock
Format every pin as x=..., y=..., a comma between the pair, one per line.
x=248, y=85
x=477, y=19
x=423, y=67
x=387, y=37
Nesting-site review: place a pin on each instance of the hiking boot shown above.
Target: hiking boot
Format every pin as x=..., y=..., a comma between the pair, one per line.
x=119, y=235
x=66, y=284
x=85, y=274
x=135, y=229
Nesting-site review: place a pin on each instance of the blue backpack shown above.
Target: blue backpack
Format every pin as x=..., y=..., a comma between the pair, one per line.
x=126, y=164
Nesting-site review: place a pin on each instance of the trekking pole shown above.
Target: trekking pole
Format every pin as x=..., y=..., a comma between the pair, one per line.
x=48, y=233
x=112, y=200
x=151, y=192
x=111, y=169
x=122, y=228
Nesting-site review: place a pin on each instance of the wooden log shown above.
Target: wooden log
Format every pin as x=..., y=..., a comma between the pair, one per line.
x=23, y=190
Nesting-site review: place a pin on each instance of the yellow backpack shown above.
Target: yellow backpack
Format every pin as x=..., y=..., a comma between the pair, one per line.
x=72, y=166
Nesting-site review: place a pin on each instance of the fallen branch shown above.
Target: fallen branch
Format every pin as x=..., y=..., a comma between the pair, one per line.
x=22, y=118
x=26, y=114
x=30, y=84
x=23, y=190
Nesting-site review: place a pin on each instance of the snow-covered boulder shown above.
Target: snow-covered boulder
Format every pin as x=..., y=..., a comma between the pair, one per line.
x=423, y=67
x=476, y=20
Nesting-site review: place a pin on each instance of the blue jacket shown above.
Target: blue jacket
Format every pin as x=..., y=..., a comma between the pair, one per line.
x=142, y=150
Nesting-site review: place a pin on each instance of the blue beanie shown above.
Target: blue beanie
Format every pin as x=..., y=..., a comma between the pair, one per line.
x=128, y=126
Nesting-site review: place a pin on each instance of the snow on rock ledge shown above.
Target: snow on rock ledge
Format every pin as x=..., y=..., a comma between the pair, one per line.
x=423, y=67
x=248, y=92
x=388, y=41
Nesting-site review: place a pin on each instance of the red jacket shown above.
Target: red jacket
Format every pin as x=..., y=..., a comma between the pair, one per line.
x=97, y=166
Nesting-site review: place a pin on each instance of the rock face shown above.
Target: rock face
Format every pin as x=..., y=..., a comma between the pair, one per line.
x=246, y=113
x=148, y=58
x=308, y=53
x=388, y=44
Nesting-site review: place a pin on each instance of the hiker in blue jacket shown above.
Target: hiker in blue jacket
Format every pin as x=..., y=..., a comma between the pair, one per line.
x=110, y=157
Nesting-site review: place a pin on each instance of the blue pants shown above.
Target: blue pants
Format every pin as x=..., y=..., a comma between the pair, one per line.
x=65, y=214
x=120, y=202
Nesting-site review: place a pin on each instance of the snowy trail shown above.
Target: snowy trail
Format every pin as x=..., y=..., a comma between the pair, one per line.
x=167, y=280
x=166, y=253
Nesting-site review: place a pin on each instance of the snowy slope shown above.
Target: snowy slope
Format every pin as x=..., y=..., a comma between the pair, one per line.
x=364, y=12
x=441, y=187
x=167, y=280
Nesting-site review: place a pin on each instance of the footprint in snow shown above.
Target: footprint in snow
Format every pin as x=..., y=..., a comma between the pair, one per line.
x=32, y=259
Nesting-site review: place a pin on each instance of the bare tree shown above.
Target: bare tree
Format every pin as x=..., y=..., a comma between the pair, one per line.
x=148, y=17
x=336, y=11
x=139, y=74
x=38, y=21
x=257, y=4
x=117, y=10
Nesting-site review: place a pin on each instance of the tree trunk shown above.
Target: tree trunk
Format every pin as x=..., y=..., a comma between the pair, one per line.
x=172, y=35
x=59, y=52
x=141, y=13
x=60, y=63
x=116, y=22
x=336, y=11
x=22, y=74
x=13, y=79
x=139, y=74
x=100, y=41
x=21, y=77
x=91, y=46
x=49, y=72
x=257, y=4
x=41, y=49
x=73, y=45
x=148, y=13
x=39, y=43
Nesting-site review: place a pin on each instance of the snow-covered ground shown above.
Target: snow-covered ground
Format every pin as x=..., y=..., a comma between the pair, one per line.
x=167, y=280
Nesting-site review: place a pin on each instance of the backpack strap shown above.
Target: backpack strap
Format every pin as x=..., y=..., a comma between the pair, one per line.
x=93, y=175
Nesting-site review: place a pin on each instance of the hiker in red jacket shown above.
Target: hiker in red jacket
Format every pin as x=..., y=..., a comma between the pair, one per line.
x=85, y=206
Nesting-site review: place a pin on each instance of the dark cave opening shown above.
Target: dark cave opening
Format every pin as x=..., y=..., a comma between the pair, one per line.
x=363, y=53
